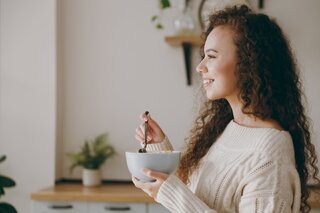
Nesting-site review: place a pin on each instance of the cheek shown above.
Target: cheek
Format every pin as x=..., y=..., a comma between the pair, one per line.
x=226, y=75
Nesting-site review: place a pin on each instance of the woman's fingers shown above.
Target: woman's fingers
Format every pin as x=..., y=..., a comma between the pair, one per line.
x=151, y=188
x=155, y=133
x=145, y=117
x=154, y=174
x=139, y=139
x=135, y=181
x=140, y=136
x=139, y=132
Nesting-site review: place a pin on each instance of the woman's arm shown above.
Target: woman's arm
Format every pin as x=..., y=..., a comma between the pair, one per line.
x=164, y=145
x=275, y=188
x=177, y=197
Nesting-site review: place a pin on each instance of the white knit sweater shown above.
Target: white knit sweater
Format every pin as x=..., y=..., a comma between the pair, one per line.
x=246, y=170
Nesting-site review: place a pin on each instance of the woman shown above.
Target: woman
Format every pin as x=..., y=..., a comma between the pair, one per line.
x=250, y=148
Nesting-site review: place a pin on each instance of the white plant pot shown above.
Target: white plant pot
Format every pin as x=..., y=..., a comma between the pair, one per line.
x=91, y=177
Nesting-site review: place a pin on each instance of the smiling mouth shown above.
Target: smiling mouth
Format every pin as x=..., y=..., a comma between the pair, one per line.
x=207, y=82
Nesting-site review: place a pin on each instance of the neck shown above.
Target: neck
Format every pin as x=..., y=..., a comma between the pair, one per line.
x=247, y=119
x=240, y=117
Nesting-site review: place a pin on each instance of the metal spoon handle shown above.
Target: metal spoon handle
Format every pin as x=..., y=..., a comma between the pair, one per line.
x=146, y=131
x=144, y=149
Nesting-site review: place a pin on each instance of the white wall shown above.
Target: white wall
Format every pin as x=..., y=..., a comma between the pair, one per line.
x=115, y=65
x=27, y=96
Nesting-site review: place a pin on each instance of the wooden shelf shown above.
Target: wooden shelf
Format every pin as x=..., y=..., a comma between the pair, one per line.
x=179, y=40
x=186, y=41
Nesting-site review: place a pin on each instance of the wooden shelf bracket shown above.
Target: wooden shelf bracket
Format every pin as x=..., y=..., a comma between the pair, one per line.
x=186, y=42
x=187, y=60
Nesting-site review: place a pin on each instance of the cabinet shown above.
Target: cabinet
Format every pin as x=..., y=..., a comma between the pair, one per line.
x=117, y=207
x=95, y=207
x=59, y=207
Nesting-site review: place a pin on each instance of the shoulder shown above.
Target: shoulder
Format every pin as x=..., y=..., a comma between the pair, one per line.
x=264, y=141
x=276, y=144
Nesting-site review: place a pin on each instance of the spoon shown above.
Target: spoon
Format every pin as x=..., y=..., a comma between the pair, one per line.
x=144, y=149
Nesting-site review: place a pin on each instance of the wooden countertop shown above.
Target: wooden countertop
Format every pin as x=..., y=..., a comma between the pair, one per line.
x=118, y=192
x=314, y=199
x=106, y=192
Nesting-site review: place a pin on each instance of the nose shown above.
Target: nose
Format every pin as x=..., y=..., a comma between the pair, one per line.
x=201, y=67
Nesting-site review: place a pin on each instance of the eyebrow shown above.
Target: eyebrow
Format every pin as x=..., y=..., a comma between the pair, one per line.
x=209, y=50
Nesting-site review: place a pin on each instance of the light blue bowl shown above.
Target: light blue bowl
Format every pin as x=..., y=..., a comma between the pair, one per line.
x=166, y=162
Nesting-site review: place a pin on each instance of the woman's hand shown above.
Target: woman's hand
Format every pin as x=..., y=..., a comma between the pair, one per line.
x=155, y=133
x=151, y=188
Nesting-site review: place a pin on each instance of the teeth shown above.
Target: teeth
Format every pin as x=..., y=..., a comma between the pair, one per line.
x=207, y=81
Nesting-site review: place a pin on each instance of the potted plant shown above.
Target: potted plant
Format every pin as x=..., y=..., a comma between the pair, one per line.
x=6, y=182
x=91, y=157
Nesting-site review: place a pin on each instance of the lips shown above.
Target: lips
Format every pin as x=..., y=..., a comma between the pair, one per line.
x=207, y=82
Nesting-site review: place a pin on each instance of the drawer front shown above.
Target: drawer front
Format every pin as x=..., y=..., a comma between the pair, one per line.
x=117, y=208
x=59, y=207
x=157, y=208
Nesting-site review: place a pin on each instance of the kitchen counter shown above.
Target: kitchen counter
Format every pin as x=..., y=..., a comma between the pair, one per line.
x=104, y=193
x=314, y=199
x=118, y=192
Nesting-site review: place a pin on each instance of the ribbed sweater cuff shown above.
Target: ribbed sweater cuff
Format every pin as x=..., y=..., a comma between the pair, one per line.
x=164, y=145
x=177, y=197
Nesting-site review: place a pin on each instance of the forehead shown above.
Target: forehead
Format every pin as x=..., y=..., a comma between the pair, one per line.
x=220, y=37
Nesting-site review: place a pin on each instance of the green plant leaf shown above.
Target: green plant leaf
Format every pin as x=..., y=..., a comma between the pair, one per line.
x=92, y=154
x=164, y=4
x=72, y=167
x=153, y=18
x=159, y=26
x=7, y=208
x=2, y=158
x=6, y=182
x=101, y=138
x=86, y=149
x=2, y=191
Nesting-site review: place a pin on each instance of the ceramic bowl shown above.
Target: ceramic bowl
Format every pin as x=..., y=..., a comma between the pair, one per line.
x=166, y=162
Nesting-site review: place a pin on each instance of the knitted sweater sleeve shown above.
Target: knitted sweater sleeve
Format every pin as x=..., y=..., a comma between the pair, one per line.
x=164, y=145
x=270, y=187
x=176, y=197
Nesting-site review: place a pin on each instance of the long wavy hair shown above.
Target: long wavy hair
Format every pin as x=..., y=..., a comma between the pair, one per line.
x=270, y=88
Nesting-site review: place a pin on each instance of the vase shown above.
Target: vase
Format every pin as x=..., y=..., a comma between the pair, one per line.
x=91, y=177
x=183, y=21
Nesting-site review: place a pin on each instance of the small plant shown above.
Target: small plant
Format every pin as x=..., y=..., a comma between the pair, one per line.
x=156, y=19
x=163, y=5
x=93, y=153
x=4, y=183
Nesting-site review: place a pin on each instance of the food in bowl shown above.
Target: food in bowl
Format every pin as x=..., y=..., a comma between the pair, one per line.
x=164, y=161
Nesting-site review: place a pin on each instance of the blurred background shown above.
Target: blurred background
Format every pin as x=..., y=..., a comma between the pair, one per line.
x=72, y=69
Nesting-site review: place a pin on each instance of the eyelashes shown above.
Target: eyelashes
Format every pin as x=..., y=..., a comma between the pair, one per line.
x=211, y=56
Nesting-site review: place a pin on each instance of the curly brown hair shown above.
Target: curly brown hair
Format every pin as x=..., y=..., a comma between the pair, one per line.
x=270, y=88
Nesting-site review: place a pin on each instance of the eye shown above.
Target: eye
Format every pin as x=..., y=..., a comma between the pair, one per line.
x=211, y=56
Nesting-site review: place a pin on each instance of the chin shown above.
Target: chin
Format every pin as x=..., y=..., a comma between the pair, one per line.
x=213, y=96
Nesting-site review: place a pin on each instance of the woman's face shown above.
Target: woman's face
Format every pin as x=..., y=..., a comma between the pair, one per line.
x=218, y=67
